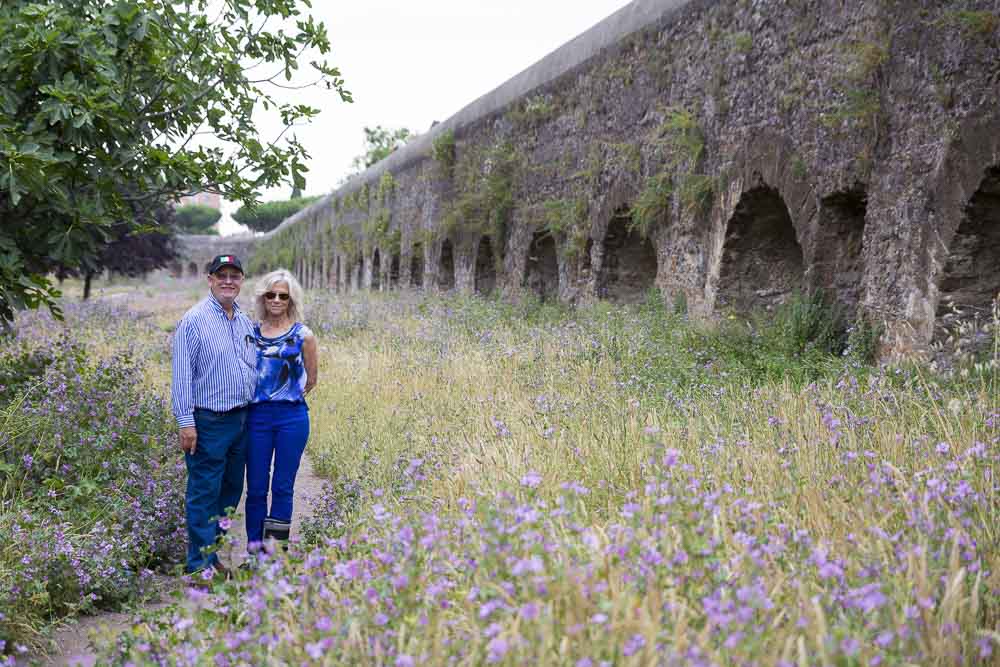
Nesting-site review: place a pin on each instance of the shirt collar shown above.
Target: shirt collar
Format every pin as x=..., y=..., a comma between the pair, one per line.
x=218, y=306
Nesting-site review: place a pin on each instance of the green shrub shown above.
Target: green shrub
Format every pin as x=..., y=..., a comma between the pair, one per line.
x=197, y=219
x=20, y=371
x=91, y=491
x=265, y=217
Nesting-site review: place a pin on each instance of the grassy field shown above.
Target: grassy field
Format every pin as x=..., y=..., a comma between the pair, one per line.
x=519, y=484
x=526, y=484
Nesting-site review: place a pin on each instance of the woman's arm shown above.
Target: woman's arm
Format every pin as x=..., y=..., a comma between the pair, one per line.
x=310, y=353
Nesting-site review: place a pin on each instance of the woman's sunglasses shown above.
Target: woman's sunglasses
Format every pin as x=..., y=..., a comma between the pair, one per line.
x=271, y=296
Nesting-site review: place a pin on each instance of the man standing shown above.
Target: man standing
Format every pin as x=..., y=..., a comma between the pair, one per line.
x=214, y=373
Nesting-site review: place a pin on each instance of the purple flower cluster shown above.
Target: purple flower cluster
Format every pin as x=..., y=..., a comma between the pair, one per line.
x=94, y=498
x=683, y=568
x=664, y=505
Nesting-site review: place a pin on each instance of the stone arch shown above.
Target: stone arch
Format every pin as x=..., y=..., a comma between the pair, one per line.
x=838, y=261
x=973, y=152
x=486, y=267
x=541, y=274
x=771, y=161
x=762, y=262
x=970, y=280
x=193, y=269
x=376, y=269
x=446, y=266
x=965, y=195
x=765, y=205
x=629, y=262
x=417, y=265
x=394, y=271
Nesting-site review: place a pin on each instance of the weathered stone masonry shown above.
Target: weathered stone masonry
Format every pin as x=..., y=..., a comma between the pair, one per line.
x=727, y=153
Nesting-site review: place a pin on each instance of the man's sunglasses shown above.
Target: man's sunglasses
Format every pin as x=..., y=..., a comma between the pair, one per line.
x=229, y=277
x=271, y=296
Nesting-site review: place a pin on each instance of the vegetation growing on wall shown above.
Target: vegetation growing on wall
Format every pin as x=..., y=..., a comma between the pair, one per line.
x=357, y=200
x=679, y=142
x=567, y=219
x=741, y=42
x=280, y=250
x=606, y=157
x=443, y=153
x=376, y=233
x=861, y=82
x=978, y=23
x=386, y=188
x=484, y=192
x=347, y=243
x=652, y=204
x=375, y=230
x=532, y=112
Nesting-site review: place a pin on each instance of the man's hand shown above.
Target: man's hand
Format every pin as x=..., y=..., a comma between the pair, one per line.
x=189, y=439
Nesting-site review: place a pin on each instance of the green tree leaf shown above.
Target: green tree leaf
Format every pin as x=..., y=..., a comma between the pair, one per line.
x=104, y=108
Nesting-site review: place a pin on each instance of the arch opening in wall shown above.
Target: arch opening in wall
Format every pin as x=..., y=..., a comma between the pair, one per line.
x=394, y=271
x=762, y=263
x=417, y=265
x=541, y=273
x=376, y=269
x=629, y=267
x=839, y=264
x=971, y=279
x=193, y=269
x=359, y=273
x=486, y=267
x=446, y=266
x=336, y=273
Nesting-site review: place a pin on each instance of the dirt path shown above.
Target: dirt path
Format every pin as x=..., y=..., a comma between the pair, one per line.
x=73, y=642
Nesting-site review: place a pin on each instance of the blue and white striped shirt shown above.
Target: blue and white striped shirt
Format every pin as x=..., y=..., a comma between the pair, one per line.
x=214, y=361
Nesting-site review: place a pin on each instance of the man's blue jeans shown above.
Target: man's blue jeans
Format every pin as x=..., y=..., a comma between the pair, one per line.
x=215, y=480
x=278, y=431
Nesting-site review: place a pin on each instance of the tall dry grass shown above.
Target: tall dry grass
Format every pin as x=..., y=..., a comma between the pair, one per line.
x=527, y=485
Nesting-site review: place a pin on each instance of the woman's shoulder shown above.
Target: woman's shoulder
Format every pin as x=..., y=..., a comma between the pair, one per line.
x=304, y=330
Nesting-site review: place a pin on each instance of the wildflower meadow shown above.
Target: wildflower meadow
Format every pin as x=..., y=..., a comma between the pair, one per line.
x=526, y=483
x=91, y=500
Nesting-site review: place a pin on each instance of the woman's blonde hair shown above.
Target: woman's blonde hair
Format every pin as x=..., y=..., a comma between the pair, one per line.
x=296, y=309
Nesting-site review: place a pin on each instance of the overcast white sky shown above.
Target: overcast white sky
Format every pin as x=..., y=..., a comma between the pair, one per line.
x=411, y=63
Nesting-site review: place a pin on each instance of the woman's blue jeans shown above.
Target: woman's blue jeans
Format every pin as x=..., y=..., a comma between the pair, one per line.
x=275, y=431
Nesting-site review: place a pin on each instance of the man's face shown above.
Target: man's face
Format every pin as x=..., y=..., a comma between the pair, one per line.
x=225, y=284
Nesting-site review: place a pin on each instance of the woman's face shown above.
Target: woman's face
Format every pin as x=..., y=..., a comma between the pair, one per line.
x=277, y=300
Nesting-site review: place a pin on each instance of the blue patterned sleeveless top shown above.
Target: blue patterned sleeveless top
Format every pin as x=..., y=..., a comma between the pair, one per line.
x=281, y=372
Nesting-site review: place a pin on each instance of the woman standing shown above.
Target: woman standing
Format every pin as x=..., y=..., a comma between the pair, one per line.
x=278, y=421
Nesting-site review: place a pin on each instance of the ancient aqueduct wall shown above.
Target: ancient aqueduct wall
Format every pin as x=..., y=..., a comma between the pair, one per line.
x=196, y=251
x=725, y=152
